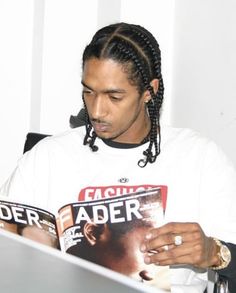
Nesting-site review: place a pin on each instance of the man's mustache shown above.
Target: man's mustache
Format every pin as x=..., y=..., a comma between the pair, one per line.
x=98, y=121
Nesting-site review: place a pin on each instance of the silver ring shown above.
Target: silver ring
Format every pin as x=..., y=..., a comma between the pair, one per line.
x=178, y=240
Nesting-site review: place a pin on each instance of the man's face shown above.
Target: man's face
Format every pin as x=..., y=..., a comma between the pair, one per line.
x=115, y=108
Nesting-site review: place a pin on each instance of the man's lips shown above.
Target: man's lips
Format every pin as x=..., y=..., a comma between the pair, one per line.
x=100, y=126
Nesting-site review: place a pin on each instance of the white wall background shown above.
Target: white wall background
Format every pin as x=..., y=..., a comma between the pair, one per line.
x=40, y=54
x=204, y=69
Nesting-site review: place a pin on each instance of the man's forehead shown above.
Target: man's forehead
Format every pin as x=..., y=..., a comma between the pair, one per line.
x=105, y=75
x=108, y=89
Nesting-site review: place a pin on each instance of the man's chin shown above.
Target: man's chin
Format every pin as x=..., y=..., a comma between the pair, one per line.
x=104, y=135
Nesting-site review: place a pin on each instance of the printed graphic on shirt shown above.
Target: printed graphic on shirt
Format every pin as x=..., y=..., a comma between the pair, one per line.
x=101, y=192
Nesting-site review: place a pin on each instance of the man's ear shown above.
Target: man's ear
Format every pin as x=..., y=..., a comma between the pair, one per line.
x=92, y=232
x=155, y=85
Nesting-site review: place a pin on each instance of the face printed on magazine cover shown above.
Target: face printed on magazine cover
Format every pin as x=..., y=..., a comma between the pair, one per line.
x=37, y=234
x=110, y=232
x=118, y=252
x=121, y=253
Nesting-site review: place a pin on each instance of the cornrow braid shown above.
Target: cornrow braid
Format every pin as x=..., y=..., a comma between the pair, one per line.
x=90, y=135
x=149, y=157
x=138, y=51
x=155, y=103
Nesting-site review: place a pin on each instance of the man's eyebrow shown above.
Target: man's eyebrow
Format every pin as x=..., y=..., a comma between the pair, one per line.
x=107, y=91
x=85, y=85
x=114, y=91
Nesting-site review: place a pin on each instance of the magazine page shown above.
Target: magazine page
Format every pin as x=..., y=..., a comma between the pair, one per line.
x=30, y=222
x=110, y=231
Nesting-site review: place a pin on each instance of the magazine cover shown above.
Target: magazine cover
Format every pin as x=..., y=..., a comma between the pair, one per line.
x=110, y=231
x=30, y=222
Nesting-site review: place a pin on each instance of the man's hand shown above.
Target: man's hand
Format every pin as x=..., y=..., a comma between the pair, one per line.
x=196, y=249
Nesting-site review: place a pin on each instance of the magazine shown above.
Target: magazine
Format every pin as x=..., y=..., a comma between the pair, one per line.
x=108, y=232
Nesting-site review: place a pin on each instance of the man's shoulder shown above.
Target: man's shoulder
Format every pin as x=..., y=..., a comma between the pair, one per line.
x=65, y=139
x=182, y=135
x=69, y=134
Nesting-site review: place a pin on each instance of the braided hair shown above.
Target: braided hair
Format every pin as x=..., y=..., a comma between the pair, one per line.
x=138, y=52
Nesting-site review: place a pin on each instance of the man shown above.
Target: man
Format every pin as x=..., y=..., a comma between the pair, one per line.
x=124, y=148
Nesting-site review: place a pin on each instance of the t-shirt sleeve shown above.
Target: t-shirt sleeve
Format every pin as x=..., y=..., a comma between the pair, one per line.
x=31, y=168
x=218, y=194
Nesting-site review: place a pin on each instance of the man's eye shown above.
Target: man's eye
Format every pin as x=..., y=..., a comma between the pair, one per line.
x=86, y=92
x=115, y=98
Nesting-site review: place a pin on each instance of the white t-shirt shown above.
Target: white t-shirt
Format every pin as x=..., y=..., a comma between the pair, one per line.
x=200, y=180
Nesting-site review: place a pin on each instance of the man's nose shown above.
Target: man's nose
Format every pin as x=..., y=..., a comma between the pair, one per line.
x=99, y=109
